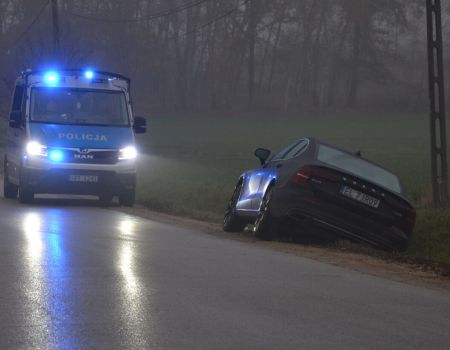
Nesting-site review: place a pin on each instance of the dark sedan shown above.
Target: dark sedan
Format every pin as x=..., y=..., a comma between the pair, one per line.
x=323, y=189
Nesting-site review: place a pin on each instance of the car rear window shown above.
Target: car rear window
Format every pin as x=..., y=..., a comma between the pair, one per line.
x=359, y=167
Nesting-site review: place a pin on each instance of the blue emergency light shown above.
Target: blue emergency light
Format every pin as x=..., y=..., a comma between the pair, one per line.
x=56, y=155
x=89, y=74
x=51, y=78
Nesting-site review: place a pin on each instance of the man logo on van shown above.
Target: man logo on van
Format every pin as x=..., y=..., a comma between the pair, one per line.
x=82, y=137
x=83, y=156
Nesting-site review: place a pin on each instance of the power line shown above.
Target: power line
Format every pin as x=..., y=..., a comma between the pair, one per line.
x=22, y=35
x=164, y=13
x=212, y=21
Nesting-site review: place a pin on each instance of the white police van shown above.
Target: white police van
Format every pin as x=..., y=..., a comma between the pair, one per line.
x=72, y=132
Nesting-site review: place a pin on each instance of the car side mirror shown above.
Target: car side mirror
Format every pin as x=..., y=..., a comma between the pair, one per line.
x=262, y=154
x=15, y=119
x=139, y=125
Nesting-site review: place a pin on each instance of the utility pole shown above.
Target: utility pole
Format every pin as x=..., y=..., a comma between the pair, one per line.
x=252, y=11
x=56, y=41
x=439, y=170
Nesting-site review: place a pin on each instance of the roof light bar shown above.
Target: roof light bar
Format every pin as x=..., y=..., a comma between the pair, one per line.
x=89, y=74
x=51, y=78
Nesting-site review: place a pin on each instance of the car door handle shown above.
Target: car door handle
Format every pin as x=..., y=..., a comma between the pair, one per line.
x=279, y=165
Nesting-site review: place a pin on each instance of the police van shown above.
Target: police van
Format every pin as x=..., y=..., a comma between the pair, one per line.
x=72, y=132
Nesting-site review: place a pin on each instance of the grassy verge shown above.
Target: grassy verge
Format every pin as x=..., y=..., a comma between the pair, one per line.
x=431, y=241
x=190, y=163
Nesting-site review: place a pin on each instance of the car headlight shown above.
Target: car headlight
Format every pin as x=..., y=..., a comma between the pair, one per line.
x=129, y=152
x=36, y=149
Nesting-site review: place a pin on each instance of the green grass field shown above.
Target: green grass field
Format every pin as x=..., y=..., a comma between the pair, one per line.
x=190, y=164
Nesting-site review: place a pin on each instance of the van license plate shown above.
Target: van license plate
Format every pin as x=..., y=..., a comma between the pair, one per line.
x=83, y=178
x=360, y=197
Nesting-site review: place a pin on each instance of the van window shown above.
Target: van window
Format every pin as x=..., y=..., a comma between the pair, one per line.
x=17, y=98
x=79, y=106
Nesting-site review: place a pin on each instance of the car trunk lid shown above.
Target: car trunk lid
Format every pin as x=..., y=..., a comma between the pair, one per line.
x=358, y=196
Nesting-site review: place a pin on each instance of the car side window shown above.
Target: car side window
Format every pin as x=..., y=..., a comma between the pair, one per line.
x=294, y=148
x=297, y=150
x=280, y=155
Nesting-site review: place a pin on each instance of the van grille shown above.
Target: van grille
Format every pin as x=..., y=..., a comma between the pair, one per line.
x=87, y=156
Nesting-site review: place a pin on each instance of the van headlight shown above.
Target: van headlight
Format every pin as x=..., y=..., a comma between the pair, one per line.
x=36, y=149
x=129, y=152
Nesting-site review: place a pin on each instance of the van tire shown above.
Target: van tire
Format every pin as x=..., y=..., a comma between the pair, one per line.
x=26, y=196
x=9, y=189
x=106, y=199
x=127, y=199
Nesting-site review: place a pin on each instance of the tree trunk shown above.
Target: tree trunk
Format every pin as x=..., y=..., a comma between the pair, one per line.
x=354, y=66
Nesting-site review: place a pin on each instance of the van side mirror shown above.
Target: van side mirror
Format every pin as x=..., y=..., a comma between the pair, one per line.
x=15, y=119
x=139, y=125
x=262, y=154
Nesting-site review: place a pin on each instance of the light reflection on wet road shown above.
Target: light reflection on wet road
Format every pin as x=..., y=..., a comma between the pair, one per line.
x=82, y=277
x=52, y=247
x=133, y=294
x=35, y=295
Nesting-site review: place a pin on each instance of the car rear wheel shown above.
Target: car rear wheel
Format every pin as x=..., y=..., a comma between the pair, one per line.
x=398, y=247
x=127, y=199
x=265, y=224
x=9, y=189
x=231, y=221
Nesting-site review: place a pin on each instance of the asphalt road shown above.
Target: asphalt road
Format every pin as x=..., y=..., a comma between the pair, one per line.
x=83, y=277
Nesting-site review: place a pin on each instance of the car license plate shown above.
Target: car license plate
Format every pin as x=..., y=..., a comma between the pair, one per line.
x=83, y=178
x=360, y=197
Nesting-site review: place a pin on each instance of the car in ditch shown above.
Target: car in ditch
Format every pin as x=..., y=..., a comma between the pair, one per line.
x=322, y=188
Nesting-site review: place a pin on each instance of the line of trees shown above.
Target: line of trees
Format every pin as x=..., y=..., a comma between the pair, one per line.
x=194, y=55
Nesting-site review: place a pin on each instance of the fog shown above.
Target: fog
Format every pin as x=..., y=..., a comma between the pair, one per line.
x=232, y=55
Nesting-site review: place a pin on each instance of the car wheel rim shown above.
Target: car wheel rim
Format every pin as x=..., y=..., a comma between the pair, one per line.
x=232, y=204
x=262, y=211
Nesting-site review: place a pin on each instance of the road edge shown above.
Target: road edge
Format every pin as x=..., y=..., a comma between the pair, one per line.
x=343, y=256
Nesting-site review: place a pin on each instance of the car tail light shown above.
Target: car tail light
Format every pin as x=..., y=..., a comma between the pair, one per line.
x=409, y=219
x=408, y=215
x=303, y=175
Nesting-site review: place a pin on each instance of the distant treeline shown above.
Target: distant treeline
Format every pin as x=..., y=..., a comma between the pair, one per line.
x=190, y=55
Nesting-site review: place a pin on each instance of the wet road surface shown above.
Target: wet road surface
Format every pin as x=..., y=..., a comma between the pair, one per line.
x=83, y=277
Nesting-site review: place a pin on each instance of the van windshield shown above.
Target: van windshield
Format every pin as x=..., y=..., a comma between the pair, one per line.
x=78, y=106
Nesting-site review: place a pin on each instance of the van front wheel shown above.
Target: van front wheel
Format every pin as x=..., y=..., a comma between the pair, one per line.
x=127, y=199
x=25, y=195
x=9, y=189
x=106, y=198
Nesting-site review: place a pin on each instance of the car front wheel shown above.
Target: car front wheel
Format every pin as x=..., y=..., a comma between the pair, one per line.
x=231, y=221
x=265, y=224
